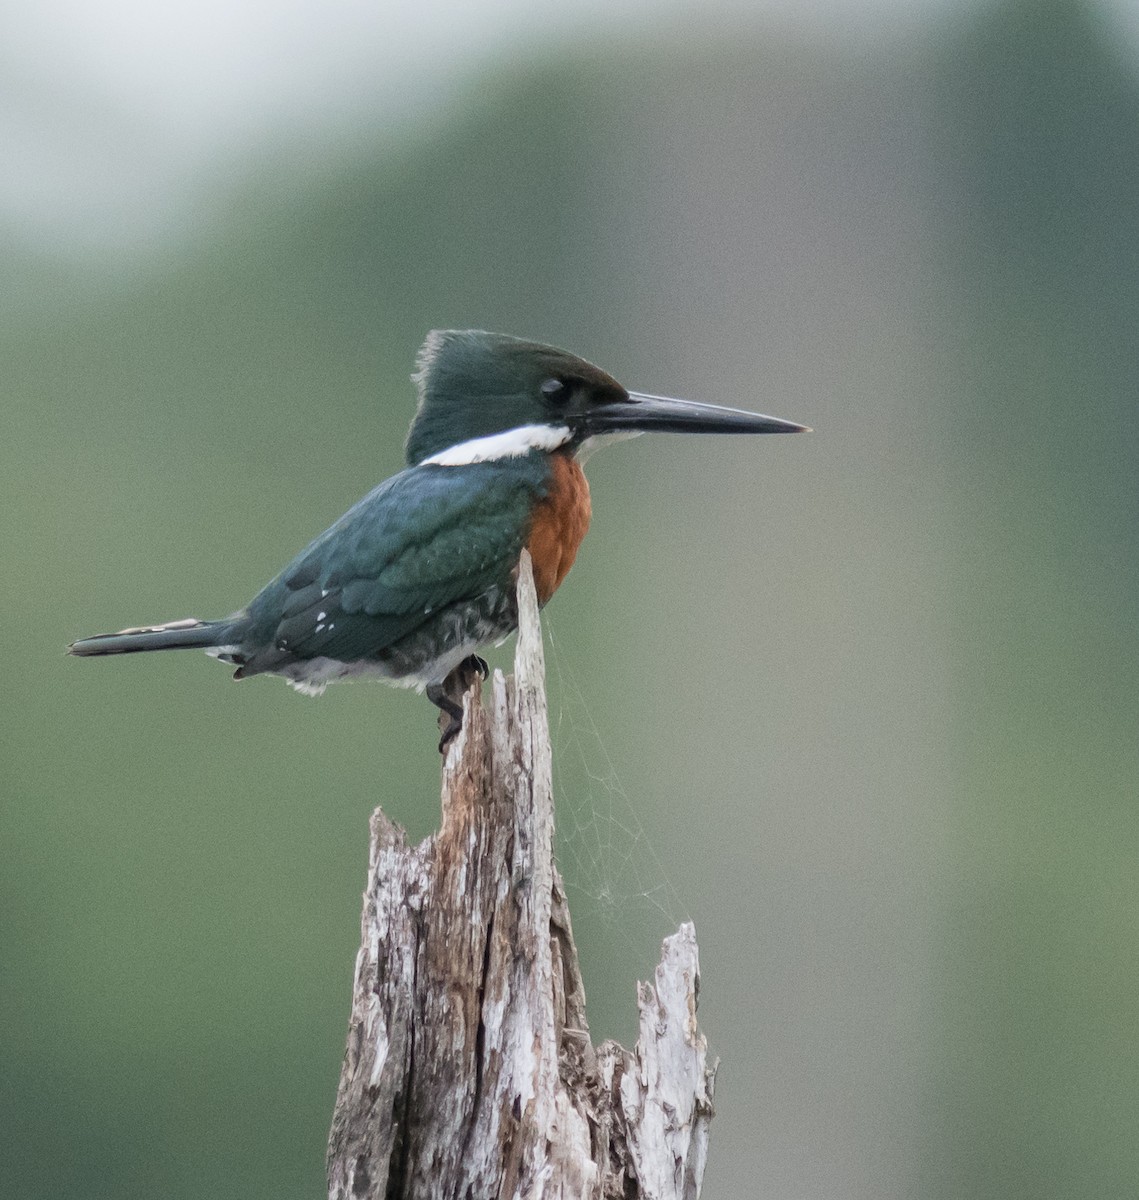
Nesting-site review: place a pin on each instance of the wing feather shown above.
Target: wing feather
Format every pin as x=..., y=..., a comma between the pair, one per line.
x=425, y=539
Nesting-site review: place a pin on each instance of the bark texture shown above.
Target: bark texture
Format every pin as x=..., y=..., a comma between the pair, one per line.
x=469, y=1070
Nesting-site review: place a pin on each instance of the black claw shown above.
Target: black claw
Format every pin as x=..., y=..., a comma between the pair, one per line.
x=475, y=664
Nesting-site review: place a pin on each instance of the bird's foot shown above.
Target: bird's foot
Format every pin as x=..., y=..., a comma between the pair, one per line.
x=437, y=694
x=448, y=696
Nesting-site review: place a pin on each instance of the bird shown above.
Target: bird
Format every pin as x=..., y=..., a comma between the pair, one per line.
x=420, y=574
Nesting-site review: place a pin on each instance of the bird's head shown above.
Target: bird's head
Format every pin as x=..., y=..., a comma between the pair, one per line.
x=488, y=395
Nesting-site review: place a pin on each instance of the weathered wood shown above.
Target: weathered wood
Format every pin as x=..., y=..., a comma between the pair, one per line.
x=469, y=1070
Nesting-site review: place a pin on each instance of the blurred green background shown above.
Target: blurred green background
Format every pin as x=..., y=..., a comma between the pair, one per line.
x=863, y=705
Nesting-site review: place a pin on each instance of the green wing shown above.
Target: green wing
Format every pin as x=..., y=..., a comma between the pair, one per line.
x=424, y=539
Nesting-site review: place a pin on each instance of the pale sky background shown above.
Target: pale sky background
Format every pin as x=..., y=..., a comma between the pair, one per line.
x=117, y=116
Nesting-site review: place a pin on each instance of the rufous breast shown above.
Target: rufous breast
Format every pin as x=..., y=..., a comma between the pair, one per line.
x=558, y=524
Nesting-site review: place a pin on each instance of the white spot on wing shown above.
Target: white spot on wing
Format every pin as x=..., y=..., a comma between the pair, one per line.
x=512, y=443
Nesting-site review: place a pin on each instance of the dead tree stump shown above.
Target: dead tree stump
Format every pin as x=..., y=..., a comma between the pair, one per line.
x=469, y=1071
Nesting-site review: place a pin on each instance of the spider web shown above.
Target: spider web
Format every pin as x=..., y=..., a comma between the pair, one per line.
x=616, y=883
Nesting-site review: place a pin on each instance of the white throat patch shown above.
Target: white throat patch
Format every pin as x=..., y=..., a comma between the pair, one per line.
x=512, y=443
x=592, y=444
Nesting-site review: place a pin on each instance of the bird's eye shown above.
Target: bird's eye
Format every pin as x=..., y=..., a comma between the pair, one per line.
x=556, y=391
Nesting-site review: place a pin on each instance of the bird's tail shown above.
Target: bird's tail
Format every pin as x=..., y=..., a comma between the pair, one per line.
x=176, y=635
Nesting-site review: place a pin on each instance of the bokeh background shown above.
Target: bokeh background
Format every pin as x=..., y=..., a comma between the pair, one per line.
x=861, y=704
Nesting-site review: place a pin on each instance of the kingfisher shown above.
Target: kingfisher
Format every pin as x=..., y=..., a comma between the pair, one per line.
x=420, y=574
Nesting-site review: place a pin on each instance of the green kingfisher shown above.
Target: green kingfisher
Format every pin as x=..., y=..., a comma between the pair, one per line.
x=420, y=574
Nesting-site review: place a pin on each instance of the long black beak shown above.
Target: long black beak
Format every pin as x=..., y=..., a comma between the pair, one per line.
x=641, y=413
